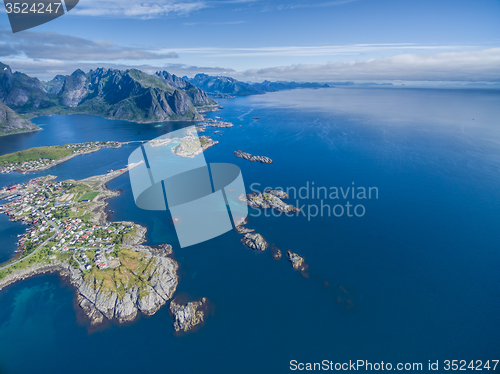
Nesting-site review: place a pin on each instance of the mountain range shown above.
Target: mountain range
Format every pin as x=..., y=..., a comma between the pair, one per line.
x=119, y=94
x=130, y=94
x=226, y=86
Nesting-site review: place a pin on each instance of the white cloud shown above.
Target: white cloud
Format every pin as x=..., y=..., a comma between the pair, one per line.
x=134, y=9
x=308, y=51
x=47, y=45
x=323, y=4
x=479, y=65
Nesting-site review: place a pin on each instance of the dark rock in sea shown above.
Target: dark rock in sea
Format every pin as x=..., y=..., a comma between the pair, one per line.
x=254, y=241
x=243, y=230
x=268, y=200
x=276, y=253
x=278, y=193
x=187, y=316
x=296, y=260
x=249, y=157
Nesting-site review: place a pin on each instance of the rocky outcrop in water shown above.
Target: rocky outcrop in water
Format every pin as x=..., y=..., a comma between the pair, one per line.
x=296, y=260
x=240, y=227
x=249, y=157
x=276, y=252
x=243, y=230
x=269, y=200
x=254, y=241
x=190, y=147
x=187, y=316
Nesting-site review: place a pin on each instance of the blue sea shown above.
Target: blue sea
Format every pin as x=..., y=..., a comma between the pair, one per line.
x=415, y=278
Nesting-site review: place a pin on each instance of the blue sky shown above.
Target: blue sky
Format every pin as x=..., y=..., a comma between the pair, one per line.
x=361, y=40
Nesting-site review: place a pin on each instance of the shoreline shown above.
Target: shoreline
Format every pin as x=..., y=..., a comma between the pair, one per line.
x=63, y=159
x=202, y=109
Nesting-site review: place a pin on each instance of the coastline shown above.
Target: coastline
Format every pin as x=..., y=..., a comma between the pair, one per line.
x=202, y=109
x=63, y=159
x=96, y=301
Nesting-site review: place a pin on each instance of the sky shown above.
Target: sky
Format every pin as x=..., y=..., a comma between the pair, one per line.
x=253, y=40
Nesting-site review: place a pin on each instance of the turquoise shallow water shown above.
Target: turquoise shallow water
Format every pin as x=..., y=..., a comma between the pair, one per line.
x=420, y=267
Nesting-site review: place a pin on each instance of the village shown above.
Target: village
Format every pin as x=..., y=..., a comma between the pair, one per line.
x=59, y=217
x=29, y=161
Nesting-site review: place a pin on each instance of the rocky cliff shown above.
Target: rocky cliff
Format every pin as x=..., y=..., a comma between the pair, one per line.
x=11, y=123
x=55, y=85
x=21, y=92
x=129, y=95
x=198, y=97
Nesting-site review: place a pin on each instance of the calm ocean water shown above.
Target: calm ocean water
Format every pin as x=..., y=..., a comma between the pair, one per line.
x=420, y=268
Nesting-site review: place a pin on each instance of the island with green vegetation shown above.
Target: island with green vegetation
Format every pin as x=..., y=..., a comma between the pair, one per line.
x=115, y=276
x=41, y=158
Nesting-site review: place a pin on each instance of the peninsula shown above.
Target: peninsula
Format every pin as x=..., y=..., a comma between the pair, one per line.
x=115, y=276
x=42, y=158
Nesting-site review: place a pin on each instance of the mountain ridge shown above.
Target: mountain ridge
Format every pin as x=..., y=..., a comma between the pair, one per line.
x=130, y=94
x=221, y=85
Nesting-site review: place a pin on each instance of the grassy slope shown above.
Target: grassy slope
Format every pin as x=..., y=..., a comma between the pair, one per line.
x=53, y=153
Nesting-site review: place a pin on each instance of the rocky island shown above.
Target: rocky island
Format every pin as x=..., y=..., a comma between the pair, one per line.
x=249, y=157
x=190, y=147
x=188, y=316
x=255, y=241
x=296, y=260
x=270, y=199
x=209, y=122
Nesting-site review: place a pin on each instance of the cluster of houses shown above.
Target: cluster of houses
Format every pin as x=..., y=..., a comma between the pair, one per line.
x=90, y=146
x=34, y=203
x=210, y=122
x=45, y=163
x=27, y=165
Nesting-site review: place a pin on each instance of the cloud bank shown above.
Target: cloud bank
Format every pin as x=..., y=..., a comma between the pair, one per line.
x=472, y=66
x=51, y=45
x=134, y=9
